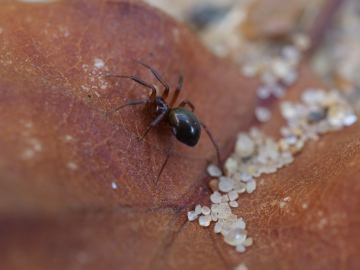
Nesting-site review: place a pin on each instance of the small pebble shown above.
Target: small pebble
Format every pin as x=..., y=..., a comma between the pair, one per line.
x=205, y=220
x=255, y=133
x=231, y=218
x=214, y=216
x=291, y=139
x=215, y=197
x=245, y=177
x=280, y=68
x=224, y=198
x=263, y=92
x=215, y=208
x=239, y=224
x=235, y=237
x=301, y=41
x=297, y=147
x=262, y=114
x=283, y=145
x=230, y=166
x=278, y=91
x=251, y=186
x=349, y=119
x=233, y=204
x=226, y=184
x=205, y=210
x=268, y=78
x=214, y=185
x=225, y=230
x=233, y=195
x=285, y=131
x=198, y=209
x=224, y=210
x=287, y=157
x=218, y=227
x=290, y=78
x=192, y=215
x=240, y=248
x=312, y=97
x=248, y=242
x=240, y=188
x=241, y=267
x=288, y=111
x=291, y=53
x=244, y=146
x=214, y=170
x=249, y=70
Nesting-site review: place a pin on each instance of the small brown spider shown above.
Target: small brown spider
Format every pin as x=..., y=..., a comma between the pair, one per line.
x=185, y=126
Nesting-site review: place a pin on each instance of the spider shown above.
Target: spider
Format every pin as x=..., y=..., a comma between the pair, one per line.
x=185, y=126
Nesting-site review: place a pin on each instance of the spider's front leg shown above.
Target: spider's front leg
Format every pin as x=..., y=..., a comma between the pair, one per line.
x=154, y=123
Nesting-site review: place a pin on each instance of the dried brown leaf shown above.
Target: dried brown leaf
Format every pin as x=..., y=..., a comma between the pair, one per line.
x=59, y=155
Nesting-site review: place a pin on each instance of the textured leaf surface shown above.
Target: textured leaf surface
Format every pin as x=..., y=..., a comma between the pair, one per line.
x=59, y=155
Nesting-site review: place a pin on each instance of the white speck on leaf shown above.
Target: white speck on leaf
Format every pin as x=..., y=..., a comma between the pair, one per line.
x=72, y=165
x=98, y=63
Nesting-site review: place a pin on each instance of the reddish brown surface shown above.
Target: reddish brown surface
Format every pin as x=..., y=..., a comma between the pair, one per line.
x=59, y=154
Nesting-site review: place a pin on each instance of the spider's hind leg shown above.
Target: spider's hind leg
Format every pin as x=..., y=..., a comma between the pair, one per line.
x=154, y=123
x=213, y=141
x=167, y=156
x=182, y=104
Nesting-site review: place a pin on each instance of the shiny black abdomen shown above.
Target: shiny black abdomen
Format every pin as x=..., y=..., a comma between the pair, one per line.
x=187, y=126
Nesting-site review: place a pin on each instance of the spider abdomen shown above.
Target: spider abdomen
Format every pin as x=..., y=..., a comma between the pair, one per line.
x=188, y=129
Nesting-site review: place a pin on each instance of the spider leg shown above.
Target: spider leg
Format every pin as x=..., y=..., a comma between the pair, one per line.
x=154, y=123
x=182, y=104
x=135, y=102
x=153, y=90
x=157, y=75
x=167, y=156
x=213, y=140
x=177, y=91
